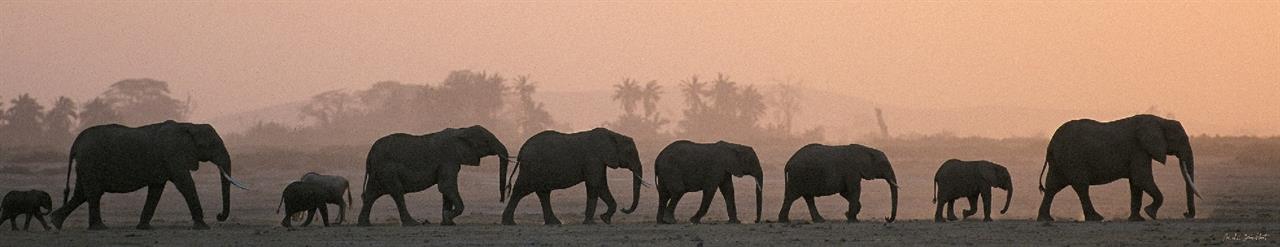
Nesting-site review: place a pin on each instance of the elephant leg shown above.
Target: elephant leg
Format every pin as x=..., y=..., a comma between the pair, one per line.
x=60, y=215
x=286, y=222
x=187, y=187
x=973, y=206
x=1148, y=184
x=1082, y=191
x=671, y=207
x=986, y=204
x=726, y=190
x=708, y=194
x=405, y=218
x=13, y=222
x=324, y=214
x=1052, y=185
x=853, y=195
x=951, y=210
x=95, y=213
x=610, y=206
x=40, y=217
x=311, y=214
x=342, y=213
x=548, y=215
x=813, y=210
x=367, y=198
x=937, y=212
x=449, y=193
x=663, y=198
x=508, y=214
x=149, y=208
x=1135, y=200
x=784, y=213
x=26, y=226
x=593, y=195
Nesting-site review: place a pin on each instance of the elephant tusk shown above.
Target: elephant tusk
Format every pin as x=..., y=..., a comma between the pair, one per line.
x=1192, y=183
x=895, y=185
x=233, y=181
x=642, y=182
x=758, y=187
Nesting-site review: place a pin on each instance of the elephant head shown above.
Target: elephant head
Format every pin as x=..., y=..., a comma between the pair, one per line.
x=210, y=148
x=620, y=152
x=879, y=168
x=748, y=164
x=998, y=176
x=44, y=199
x=477, y=142
x=1160, y=138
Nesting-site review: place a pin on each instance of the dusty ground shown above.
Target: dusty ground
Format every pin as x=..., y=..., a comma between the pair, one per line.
x=1240, y=206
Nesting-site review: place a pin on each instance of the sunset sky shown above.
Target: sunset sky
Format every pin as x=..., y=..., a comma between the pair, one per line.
x=1210, y=63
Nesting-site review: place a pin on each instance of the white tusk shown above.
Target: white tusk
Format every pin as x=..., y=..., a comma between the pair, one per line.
x=642, y=182
x=758, y=187
x=892, y=183
x=1183, y=166
x=233, y=180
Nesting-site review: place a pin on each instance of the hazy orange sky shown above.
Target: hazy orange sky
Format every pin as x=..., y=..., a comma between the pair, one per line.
x=1209, y=63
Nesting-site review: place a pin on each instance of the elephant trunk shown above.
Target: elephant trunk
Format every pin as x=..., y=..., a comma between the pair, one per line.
x=635, y=191
x=225, y=167
x=1008, y=197
x=759, y=188
x=1187, y=162
x=503, y=161
x=893, y=193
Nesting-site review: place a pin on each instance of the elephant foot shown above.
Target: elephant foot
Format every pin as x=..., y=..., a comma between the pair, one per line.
x=1135, y=218
x=1044, y=218
x=695, y=220
x=363, y=223
x=447, y=223
x=94, y=227
x=607, y=219
x=409, y=223
x=143, y=226
x=200, y=226
x=734, y=221
x=1093, y=217
x=783, y=220
x=938, y=219
x=508, y=222
x=1189, y=214
x=551, y=221
x=1151, y=211
x=57, y=219
x=819, y=220
x=953, y=217
x=987, y=219
x=851, y=220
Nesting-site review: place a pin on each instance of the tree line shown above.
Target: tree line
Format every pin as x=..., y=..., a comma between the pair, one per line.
x=26, y=124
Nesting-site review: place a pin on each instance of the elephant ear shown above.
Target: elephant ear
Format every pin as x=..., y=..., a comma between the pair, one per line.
x=743, y=155
x=1151, y=137
x=989, y=174
x=613, y=152
x=465, y=151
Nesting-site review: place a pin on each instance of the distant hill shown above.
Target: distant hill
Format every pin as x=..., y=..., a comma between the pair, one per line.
x=844, y=117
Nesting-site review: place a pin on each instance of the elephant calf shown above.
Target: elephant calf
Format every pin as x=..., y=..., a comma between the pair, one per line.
x=25, y=202
x=969, y=179
x=335, y=186
x=304, y=196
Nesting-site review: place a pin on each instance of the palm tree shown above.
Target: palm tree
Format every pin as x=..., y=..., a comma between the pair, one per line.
x=693, y=91
x=628, y=93
x=59, y=120
x=650, y=95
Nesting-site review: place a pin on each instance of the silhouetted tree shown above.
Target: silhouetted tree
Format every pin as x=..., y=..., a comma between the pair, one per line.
x=471, y=98
x=327, y=107
x=60, y=120
x=731, y=111
x=24, y=121
x=145, y=101
x=649, y=96
x=98, y=112
x=531, y=118
x=785, y=102
x=628, y=93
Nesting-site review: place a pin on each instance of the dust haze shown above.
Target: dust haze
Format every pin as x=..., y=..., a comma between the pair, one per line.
x=294, y=88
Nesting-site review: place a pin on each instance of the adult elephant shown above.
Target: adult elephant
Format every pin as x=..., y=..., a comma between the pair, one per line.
x=118, y=159
x=1086, y=152
x=957, y=179
x=403, y=163
x=822, y=170
x=552, y=160
x=685, y=166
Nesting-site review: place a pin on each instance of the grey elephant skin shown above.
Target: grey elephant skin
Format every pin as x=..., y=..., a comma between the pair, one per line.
x=118, y=159
x=403, y=163
x=1086, y=152
x=306, y=196
x=822, y=170
x=30, y=203
x=957, y=179
x=685, y=166
x=335, y=187
x=552, y=160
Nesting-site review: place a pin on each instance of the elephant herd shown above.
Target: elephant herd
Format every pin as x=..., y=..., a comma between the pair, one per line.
x=1081, y=153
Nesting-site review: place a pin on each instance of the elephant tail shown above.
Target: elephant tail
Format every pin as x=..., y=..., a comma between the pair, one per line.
x=935, y=191
x=66, y=189
x=281, y=203
x=1041, y=178
x=348, y=196
x=511, y=179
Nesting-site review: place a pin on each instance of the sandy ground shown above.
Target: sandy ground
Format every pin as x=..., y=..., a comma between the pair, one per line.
x=1240, y=206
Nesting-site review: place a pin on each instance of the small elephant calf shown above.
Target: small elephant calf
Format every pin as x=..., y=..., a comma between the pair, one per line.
x=304, y=196
x=25, y=202
x=969, y=179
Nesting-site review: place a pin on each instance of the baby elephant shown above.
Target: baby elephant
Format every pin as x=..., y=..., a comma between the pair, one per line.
x=335, y=186
x=969, y=179
x=25, y=202
x=304, y=196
